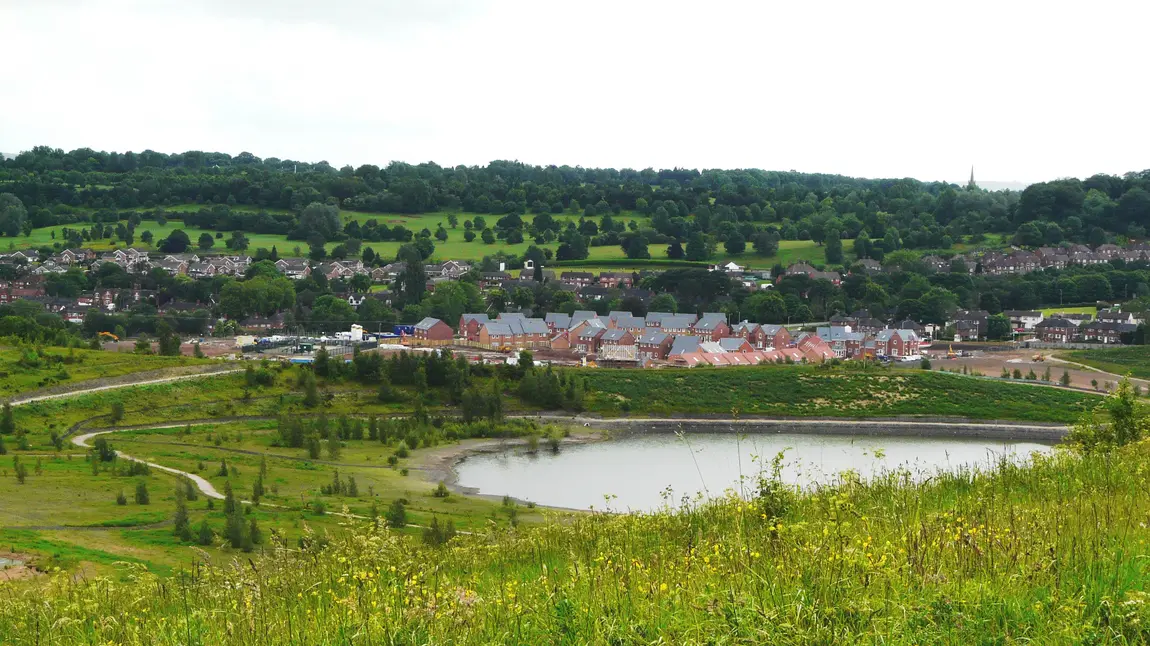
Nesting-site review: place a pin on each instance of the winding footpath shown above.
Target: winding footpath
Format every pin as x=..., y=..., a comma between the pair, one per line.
x=203, y=485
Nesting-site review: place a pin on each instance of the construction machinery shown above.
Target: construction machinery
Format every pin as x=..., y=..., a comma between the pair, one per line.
x=109, y=335
x=1038, y=358
x=950, y=353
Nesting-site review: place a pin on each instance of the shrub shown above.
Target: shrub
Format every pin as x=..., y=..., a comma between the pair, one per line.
x=142, y=493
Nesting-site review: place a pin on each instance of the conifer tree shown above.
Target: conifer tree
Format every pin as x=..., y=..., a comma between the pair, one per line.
x=204, y=535
x=182, y=527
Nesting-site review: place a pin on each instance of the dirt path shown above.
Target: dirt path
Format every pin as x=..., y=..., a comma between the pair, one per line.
x=128, y=384
x=203, y=485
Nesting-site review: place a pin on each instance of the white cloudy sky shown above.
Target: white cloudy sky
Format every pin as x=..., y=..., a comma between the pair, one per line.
x=1022, y=90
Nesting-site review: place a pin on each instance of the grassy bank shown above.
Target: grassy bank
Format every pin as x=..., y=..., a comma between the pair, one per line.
x=1049, y=553
x=1130, y=359
x=807, y=391
x=26, y=369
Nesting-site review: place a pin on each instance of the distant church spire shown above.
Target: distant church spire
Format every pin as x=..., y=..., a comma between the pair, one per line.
x=971, y=185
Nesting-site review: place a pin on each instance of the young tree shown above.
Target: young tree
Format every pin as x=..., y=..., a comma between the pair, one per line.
x=182, y=527
x=7, y=420
x=229, y=498
x=190, y=492
x=142, y=493
x=310, y=390
x=1065, y=378
x=397, y=514
x=205, y=534
x=20, y=470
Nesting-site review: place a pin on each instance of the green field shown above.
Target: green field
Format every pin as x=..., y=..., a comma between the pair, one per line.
x=1091, y=310
x=1133, y=360
x=230, y=419
x=1049, y=553
x=1022, y=547
x=28, y=369
x=804, y=391
x=454, y=248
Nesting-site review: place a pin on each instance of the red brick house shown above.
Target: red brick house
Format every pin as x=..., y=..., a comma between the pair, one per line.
x=469, y=325
x=712, y=327
x=577, y=278
x=587, y=341
x=616, y=279
x=1056, y=330
x=434, y=331
x=896, y=343
x=776, y=336
x=616, y=337
x=654, y=345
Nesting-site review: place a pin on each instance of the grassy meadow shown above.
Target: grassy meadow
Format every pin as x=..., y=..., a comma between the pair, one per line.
x=1049, y=553
x=1133, y=360
x=808, y=391
x=454, y=248
x=24, y=369
x=1091, y=310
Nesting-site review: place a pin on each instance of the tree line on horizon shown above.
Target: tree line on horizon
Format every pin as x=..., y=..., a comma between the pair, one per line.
x=693, y=212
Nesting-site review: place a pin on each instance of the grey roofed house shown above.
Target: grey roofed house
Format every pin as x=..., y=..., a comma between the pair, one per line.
x=506, y=316
x=479, y=318
x=427, y=323
x=745, y=327
x=684, y=344
x=656, y=317
x=591, y=332
x=731, y=344
x=613, y=335
x=614, y=314
x=628, y=322
x=678, y=322
x=832, y=334
x=908, y=324
x=710, y=321
x=771, y=329
x=595, y=323
x=519, y=325
x=498, y=329
x=652, y=336
x=534, y=326
x=559, y=320
x=582, y=315
x=1056, y=322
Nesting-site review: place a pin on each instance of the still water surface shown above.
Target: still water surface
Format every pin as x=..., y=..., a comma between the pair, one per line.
x=638, y=468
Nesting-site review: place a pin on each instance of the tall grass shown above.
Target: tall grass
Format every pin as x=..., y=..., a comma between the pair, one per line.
x=825, y=391
x=1133, y=360
x=1050, y=552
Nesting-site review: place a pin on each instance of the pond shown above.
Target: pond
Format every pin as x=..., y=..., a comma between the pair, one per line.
x=640, y=471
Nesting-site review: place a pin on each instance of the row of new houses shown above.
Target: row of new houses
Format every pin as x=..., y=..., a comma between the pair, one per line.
x=622, y=337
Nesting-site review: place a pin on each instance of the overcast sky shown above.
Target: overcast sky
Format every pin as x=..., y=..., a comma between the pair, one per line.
x=1023, y=91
